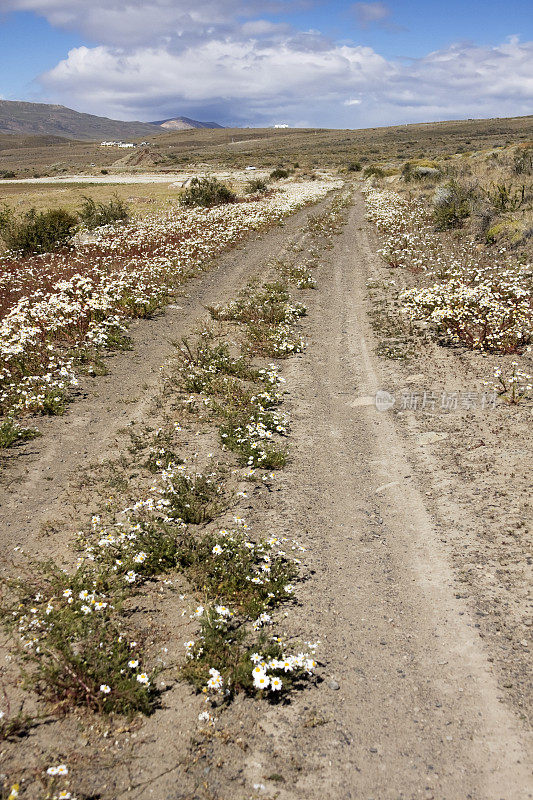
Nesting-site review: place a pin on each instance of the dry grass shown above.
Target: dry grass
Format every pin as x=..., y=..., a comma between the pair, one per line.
x=143, y=199
x=310, y=148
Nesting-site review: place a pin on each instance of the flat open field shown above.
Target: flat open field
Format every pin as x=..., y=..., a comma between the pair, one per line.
x=272, y=540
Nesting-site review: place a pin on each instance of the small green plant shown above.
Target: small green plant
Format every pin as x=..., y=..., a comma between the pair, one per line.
x=256, y=186
x=515, y=386
x=36, y=232
x=195, y=499
x=201, y=364
x=299, y=275
x=523, y=160
x=505, y=197
x=269, y=304
x=279, y=172
x=207, y=192
x=12, y=433
x=452, y=204
x=229, y=658
x=373, y=170
x=354, y=166
x=229, y=567
x=93, y=214
x=74, y=652
x=53, y=402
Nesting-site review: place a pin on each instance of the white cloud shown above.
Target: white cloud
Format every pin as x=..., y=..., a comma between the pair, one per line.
x=221, y=59
x=370, y=13
x=307, y=80
x=148, y=22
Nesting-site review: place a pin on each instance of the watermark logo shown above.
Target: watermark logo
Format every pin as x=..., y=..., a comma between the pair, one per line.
x=384, y=400
x=431, y=401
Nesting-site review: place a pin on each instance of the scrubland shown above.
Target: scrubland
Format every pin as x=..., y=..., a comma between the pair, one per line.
x=249, y=549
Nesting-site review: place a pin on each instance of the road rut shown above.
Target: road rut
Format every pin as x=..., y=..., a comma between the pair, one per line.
x=409, y=706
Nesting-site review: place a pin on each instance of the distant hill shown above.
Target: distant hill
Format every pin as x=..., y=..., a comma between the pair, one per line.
x=12, y=141
x=43, y=119
x=184, y=124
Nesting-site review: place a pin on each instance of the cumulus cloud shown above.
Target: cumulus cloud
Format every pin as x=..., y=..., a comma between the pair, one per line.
x=242, y=74
x=224, y=60
x=306, y=79
x=149, y=22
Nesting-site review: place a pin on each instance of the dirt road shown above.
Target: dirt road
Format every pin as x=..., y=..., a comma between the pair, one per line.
x=409, y=706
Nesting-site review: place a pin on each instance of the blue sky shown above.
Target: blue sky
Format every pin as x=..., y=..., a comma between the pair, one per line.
x=337, y=64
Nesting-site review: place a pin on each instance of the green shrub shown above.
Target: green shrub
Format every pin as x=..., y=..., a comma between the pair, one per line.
x=207, y=192
x=11, y=433
x=374, y=170
x=36, y=232
x=194, y=498
x=74, y=652
x=93, y=215
x=452, y=203
x=354, y=166
x=278, y=173
x=256, y=186
x=506, y=197
x=523, y=160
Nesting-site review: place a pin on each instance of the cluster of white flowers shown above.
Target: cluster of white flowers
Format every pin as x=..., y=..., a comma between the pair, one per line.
x=81, y=298
x=481, y=299
x=302, y=663
x=282, y=341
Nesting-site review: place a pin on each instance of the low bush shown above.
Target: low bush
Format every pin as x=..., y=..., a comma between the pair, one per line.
x=278, y=173
x=207, y=192
x=420, y=171
x=93, y=214
x=452, y=204
x=36, y=232
x=74, y=651
x=506, y=196
x=523, y=160
x=373, y=170
x=193, y=499
x=354, y=166
x=11, y=433
x=256, y=186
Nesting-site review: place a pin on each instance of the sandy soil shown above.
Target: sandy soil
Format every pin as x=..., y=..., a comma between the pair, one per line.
x=413, y=584
x=180, y=178
x=411, y=704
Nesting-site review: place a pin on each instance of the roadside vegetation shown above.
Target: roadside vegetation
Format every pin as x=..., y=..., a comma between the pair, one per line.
x=74, y=627
x=462, y=233
x=35, y=232
x=59, y=310
x=207, y=192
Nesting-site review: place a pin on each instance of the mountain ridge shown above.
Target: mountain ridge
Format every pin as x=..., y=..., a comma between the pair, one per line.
x=184, y=124
x=47, y=119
